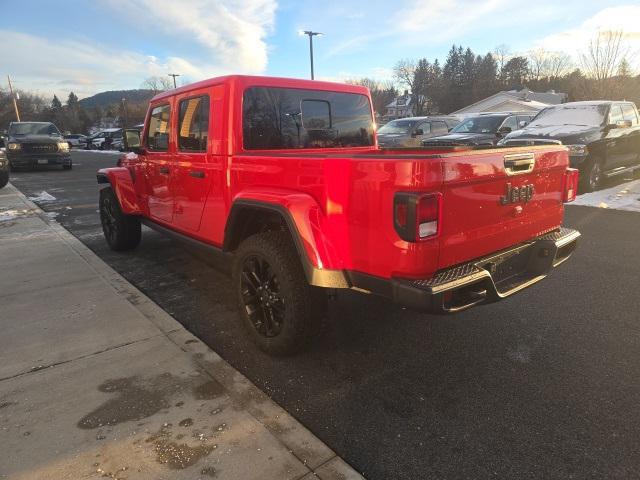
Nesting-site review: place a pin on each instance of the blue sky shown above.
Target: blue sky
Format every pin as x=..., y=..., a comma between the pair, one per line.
x=102, y=45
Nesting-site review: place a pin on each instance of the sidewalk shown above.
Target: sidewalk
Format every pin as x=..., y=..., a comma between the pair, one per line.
x=96, y=381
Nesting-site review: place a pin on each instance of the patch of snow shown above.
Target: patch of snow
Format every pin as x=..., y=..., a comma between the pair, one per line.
x=43, y=197
x=621, y=197
x=8, y=215
x=52, y=215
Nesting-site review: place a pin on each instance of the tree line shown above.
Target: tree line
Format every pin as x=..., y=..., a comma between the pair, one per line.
x=603, y=72
x=71, y=116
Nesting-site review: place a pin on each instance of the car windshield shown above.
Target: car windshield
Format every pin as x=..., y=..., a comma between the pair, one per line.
x=398, y=127
x=583, y=115
x=479, y=125
x=33, y=128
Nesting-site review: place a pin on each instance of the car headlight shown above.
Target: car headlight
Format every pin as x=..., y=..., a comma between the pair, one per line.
x=14, y=146
x=578, y=150
x=63, y=146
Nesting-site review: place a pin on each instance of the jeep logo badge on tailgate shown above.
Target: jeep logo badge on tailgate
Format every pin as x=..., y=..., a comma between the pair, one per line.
x=517, y=194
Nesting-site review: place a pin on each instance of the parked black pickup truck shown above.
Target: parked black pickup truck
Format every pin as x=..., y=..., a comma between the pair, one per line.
x=603, y=137
x=32, y=144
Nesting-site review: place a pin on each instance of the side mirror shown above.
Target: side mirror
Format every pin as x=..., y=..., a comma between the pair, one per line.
x=131, y=140
x=417, y=132
x=523, y=123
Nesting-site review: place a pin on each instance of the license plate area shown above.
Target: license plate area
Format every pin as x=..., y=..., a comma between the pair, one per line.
x=509, y=270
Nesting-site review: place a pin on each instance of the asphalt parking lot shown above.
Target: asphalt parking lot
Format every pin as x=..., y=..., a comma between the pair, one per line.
x=543, y=385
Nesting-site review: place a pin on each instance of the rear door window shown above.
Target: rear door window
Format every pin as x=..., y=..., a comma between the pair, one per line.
x=439, y=128
x=511, y=122
x=158, y=131
x=287, y=118
x=193, y=130
x=629, y=113
x=615, y=114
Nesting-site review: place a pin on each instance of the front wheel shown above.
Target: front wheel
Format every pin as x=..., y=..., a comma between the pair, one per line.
x=279, y=309
x=122, y=232
x=591, y=175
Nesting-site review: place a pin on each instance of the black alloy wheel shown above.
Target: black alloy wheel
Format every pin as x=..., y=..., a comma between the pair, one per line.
x=122, y=232
x=261, y=296
x=595, y=176
x=279, y=310
x=108, y=219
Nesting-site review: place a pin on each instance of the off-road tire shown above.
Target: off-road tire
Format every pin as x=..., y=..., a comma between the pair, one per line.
x=4, y=179
x=587, y=181
x=303, y=306
x=122, y=232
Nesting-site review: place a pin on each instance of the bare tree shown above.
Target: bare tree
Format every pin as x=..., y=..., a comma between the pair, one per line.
x=545, y=64
x=559, y=65
x=601, y=59
x=501, y=54
x=157, y=84
x=404, y=72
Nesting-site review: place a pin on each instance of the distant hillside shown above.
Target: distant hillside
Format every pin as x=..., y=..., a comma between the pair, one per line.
x=104, y=99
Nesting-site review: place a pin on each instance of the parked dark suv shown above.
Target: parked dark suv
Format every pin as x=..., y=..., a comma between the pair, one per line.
x=603, y=137
x=32, y=144
x=481, y=129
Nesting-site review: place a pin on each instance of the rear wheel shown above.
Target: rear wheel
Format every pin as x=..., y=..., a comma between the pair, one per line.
x=279, y=309
x=4, y=178
x=122, y=232
x=591, y=175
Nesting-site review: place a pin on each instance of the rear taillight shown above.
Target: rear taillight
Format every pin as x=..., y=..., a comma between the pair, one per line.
x=416, y=216
x=571, y=177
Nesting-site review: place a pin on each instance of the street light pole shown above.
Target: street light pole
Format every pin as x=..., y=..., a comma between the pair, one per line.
x=174, y=75
x=311, y=35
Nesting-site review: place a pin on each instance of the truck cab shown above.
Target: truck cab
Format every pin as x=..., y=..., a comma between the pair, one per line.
x=284, y=180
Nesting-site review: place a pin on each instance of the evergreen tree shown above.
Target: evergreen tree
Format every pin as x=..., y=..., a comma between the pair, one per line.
x=72, y=101
x=55, y=103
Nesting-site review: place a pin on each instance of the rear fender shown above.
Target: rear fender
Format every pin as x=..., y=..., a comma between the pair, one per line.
x=122, y=183
x=304, y=219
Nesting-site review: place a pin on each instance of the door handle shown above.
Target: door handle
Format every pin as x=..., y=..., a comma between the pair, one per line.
x=164, y=170
x=519, y=163
x=196, y=174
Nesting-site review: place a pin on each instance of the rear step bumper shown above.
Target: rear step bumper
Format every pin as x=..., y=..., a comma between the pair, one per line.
x=489, y=278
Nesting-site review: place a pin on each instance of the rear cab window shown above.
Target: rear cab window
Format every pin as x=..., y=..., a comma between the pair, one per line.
x=158, y=130
x=275, y=118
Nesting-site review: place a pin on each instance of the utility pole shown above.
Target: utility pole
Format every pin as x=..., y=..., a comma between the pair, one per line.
x=13, y=96
x=311, y=35
x=124, y=112
x=174, y=75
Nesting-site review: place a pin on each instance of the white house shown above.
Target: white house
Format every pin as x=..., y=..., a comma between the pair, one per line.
x=401, y=107
x=514, y=101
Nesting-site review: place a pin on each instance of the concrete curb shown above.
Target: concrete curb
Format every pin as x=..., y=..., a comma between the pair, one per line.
x=322, y=462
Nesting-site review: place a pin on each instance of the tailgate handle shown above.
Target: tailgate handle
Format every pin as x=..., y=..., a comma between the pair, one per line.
x=519, y=163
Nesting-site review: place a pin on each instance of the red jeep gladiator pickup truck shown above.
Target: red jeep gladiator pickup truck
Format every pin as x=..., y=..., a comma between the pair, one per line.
x=285, y=178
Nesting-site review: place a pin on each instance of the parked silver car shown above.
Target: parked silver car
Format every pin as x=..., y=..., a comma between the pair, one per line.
x=411, y=131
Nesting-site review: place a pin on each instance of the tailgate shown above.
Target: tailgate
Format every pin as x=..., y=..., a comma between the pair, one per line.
x=494, y=199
